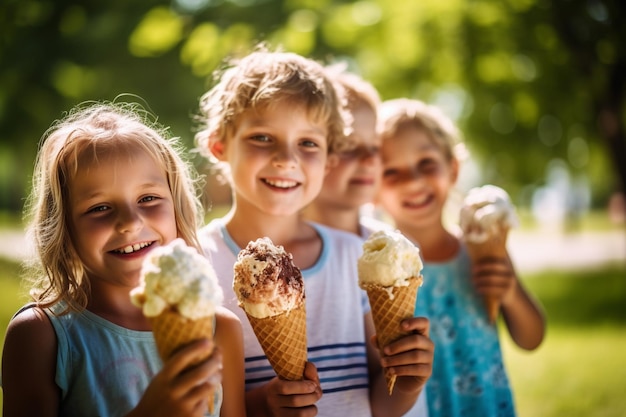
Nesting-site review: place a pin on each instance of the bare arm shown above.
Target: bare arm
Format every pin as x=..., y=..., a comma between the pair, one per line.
x=230, y=338
x=29, y=367
x=523, y=317
x=522, y=314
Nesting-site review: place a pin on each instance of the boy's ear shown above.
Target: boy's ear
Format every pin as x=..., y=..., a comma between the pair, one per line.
x=455, y=167
x=216, y=146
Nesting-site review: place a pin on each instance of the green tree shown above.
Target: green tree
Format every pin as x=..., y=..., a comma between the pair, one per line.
x=529, y=81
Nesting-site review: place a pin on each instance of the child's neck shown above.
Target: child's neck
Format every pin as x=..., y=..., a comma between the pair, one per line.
x=436, y=243
x=113, y=304
x=292, y=232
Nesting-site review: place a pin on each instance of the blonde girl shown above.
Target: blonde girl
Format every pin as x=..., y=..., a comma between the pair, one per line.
x=108, y=187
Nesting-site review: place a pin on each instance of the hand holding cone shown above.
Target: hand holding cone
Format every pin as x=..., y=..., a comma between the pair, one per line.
x=487, y=215
x=179, y=294
x=389, y=271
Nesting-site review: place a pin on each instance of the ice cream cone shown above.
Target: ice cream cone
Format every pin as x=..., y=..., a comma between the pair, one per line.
x=173, y=331
x=283, y=339
x=179, y=293
x=486, y=216
x=391, y=305
x=493, y=247
x=270, y=289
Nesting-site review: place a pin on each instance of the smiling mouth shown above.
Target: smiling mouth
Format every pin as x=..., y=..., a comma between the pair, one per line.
x=417, y=203
x=282, y=184
x=132, y=248
x=362, y=181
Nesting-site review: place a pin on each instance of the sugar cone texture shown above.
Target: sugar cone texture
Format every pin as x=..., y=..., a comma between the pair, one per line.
x=494, y=247
x=388, y=312
x=173, y=331
x=283, y=339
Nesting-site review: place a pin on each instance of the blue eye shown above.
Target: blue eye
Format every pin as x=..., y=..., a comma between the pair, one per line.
x=98, y=209
x=148, y=199
x=309, y=143
x=260, y=138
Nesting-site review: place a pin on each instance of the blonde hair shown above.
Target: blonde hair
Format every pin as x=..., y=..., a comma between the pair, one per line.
x=398, y=114
x=356, y=89
x=263, y=78
x=59, y=272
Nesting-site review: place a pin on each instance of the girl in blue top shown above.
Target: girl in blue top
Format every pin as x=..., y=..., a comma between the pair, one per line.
x=420, y=167
x=108, y=187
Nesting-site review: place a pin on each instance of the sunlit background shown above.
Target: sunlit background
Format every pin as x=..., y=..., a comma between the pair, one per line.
x=538, y=88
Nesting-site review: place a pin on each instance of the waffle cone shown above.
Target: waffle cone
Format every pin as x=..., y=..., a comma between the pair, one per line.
x=388, y=312
x=173, y=331
x=283, y=339
x=494, y=247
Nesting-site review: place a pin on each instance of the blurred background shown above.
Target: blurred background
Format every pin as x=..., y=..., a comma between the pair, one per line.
x=538, y=88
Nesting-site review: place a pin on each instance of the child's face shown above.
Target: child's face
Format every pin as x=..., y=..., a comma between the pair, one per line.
x=417, y=178
x=277, y=157
x=355, y=179
x=121, y=207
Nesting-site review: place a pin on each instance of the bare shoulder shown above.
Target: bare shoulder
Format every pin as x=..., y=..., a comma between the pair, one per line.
x=29, y=365
x=31, y=325
x=227, y=323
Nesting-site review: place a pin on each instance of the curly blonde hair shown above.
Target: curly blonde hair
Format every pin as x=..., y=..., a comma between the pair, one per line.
x=265, y=77
x=398, y=114
x=99, y=126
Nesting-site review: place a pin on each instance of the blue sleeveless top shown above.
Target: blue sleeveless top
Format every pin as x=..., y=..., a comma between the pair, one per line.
x=103, y=369
x=469, y=378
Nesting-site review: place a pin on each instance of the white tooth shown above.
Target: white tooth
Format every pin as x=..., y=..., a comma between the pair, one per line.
x=127, y=249
x=282, y=184
x=136, y=246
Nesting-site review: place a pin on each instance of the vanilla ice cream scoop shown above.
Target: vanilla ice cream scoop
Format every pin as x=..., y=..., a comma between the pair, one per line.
x=177, y=277
x=267, y=283
x=486, y=212
x=389, y=259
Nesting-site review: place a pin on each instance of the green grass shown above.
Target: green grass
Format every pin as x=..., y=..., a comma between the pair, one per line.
x=579, y=370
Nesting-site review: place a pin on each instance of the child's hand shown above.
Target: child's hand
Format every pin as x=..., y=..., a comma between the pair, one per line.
x=494, y=278
x=180, y=388
x=411, y=357
x=295, y=398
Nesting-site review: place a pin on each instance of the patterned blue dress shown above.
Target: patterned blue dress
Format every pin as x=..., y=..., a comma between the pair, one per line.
x=469, y=379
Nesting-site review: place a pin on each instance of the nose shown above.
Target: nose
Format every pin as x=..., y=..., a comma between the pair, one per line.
x=128, y=220
x=285, y=158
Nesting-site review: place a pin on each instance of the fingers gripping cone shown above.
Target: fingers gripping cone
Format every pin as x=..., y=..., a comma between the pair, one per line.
x=388, y=311
x=173, y=331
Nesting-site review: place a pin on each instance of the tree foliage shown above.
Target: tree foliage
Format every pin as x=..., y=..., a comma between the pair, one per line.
x=530, y=82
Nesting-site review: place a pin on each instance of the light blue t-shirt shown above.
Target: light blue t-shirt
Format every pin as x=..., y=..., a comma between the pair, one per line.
x=102, y=369
x=469, y=378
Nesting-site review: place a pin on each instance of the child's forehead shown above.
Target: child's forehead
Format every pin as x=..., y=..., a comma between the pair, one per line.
x=91, y=153
x=282, y=109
